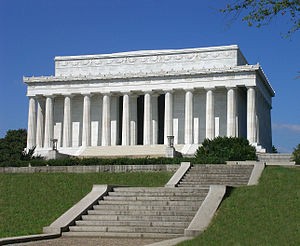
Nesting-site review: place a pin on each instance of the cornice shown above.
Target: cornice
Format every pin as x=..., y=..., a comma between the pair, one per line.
x=144, y=74
x=141, y=53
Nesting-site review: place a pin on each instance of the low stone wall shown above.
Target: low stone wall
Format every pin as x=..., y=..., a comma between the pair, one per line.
x=92, y=169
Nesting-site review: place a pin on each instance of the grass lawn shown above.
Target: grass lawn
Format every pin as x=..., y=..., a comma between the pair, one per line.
x=267, y=214
x=28, y=202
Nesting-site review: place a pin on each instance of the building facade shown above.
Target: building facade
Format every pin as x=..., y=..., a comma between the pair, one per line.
x=141, y=97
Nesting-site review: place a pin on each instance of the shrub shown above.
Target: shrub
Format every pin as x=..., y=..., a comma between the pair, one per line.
x=222, y=149
x=296, y=154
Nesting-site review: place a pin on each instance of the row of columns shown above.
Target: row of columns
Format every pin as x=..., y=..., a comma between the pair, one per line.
x=36, y=128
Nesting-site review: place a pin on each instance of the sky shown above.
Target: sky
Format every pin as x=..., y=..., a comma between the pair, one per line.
x=33, y=32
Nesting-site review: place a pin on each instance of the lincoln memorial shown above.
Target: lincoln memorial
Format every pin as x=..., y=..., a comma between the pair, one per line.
x=138, y=98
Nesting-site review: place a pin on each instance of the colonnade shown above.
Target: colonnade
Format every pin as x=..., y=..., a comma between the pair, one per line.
x=41, y=122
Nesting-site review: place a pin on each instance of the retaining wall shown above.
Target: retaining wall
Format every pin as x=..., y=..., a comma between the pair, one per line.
x=92, y=169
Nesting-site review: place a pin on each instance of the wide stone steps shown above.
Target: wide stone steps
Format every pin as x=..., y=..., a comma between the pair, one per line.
x=159, y=192
x=153, y=203
x=128, y=229
x=121, y=235
x=144, y=207
x=141, y=212
x=132, y=223
x=231, y=175
x=137, y=212
x=151, y=198
x=221, y=167
x=123, y=151
x=197, y=184
x=156, y=212
x=169, y=218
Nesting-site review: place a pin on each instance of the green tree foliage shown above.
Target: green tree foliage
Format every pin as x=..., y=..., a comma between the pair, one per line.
x=12, y=145
x=296, y=154
x=262, y=12
x=222, y=149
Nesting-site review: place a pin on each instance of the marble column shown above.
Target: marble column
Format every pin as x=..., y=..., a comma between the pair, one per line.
x=147, y=118
x=31, y=135
x=86, y=120
x=231, y=112
x=125, y=120
x=40, y=122
x=154, y=129
x=106, y=120
x=133, y=120
x=168, y=116
x=114, y=120
x=210, y=114
x=67, y=123
x=251, y=115
x=188, y=116
x=48, y=122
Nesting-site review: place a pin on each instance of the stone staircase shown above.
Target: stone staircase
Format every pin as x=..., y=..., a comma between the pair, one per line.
x=132, y=151
x=230, y=175
x=141, y=212
x=124, y=151
x=156, y=212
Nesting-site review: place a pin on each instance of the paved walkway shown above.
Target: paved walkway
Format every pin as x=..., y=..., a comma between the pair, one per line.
x=93, y=241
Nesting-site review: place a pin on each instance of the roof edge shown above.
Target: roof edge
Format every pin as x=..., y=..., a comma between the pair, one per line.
x=148, y=53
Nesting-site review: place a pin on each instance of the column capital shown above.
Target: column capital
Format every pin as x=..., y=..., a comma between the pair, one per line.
x=40, y=97
x=168, y=90
x=86, y=94
x=68, y=95
x=189, y=89
x=126, y=93
x=231, y=87
x=209, y=88
x=50, y=96
x=106, y=93
x=251, y=87
x=148, y=92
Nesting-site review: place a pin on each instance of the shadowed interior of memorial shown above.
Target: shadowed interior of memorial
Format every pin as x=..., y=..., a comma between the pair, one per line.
x=141, y=97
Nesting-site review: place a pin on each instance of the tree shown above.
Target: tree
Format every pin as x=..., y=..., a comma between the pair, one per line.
x=12, y=145
x=262, y=12
x=296, y=154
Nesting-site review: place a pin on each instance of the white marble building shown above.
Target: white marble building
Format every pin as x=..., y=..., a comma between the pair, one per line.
x=141, y=97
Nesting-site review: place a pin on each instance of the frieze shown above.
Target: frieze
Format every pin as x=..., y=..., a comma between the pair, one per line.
x=153, y=59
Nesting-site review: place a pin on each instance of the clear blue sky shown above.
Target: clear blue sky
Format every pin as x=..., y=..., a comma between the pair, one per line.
x=33, y=32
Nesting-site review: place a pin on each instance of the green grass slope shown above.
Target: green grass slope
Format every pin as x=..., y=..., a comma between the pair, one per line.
x=28, y=202
x=266, y=214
